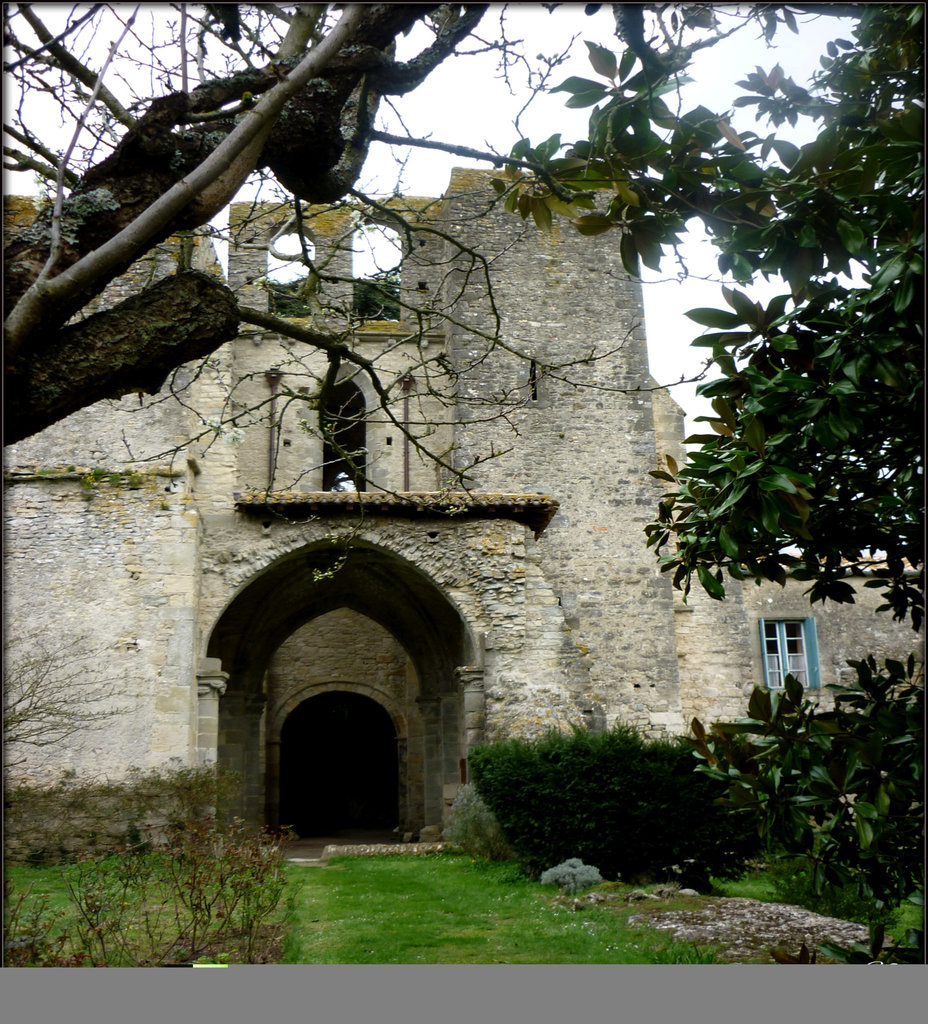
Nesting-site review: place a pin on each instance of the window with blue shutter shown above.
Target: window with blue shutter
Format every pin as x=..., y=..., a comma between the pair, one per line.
x=789, y=647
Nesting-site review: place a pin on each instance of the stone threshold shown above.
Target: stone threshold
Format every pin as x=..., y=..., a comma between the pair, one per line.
x=371, y=850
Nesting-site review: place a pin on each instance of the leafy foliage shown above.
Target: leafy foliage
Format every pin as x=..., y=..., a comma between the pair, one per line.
x=284, y=298
x=628, y=805
x=472, y=826
x=812, y=467
x=377, y=299
x=792, y=882
x=843, y=789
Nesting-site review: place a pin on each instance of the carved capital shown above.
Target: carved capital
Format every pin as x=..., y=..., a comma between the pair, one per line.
x=211, y=680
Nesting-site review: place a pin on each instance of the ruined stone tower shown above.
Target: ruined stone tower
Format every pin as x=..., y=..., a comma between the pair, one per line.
x=343, y=649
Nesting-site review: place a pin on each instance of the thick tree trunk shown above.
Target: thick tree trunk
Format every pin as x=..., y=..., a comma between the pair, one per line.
x=131, y=347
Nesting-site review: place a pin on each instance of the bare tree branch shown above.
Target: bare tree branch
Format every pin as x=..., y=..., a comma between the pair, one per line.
x=207, y=189
x=45, y=696
x=131, y=347
x=476, y=154
x=74, y=67
x=54, y=250
x=69, y=176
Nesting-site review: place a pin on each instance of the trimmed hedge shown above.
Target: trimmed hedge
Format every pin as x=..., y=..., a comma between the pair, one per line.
x=630, y=806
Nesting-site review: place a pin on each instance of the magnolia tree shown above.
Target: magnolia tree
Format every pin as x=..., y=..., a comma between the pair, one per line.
x=813, y=464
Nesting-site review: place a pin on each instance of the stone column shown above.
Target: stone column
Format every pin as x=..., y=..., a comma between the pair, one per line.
x=471, y=681
x=211, y=685
x=253, y=761
x=272, y=783
x=430, y=710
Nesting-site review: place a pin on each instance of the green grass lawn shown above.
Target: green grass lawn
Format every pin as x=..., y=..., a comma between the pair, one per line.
x=437, y=909
x=448, y=909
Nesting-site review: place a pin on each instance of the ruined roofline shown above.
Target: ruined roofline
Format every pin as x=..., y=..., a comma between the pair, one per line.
x=533, y=510
x=462, y=179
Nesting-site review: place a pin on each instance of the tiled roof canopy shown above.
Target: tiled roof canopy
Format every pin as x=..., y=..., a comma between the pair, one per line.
x=533, y=510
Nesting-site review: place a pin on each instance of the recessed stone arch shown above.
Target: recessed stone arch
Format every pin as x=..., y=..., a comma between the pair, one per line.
x=340, y=765
x=389, y=704
x=399, y=597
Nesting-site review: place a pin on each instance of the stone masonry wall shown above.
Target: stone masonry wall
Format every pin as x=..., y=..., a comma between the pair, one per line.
x=536, y=676
x=113, y=565
x=575, y=626
x=340, y=647
x=565, y=299
x=720, y=649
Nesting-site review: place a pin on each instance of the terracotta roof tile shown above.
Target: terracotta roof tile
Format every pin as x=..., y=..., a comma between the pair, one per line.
x=533, y=510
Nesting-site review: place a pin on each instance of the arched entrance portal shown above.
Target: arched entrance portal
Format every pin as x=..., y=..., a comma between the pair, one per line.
x=379, y=627
x=338, y=765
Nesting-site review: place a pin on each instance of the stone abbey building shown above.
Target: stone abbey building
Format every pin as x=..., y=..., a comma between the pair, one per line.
x=332, y=614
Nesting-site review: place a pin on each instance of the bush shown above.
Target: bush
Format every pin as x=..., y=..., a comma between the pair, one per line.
x=32, y=932
x=634, y=807
x=842, y=789
x=58, y=822
x=572, y=876
x=794, y=883
x=202, y=891
x=472, y=826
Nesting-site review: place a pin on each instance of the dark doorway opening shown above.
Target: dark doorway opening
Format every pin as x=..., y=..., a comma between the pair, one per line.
x=338, y=766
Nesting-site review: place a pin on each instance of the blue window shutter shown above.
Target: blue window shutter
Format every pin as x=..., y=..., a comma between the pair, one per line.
x=811, y=641
x=763, y=651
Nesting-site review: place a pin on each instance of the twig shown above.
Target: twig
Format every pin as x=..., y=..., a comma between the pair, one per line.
x=55, y=231
x=74, y=67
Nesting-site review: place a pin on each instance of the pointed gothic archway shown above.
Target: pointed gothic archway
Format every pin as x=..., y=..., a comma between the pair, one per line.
x=399, y=597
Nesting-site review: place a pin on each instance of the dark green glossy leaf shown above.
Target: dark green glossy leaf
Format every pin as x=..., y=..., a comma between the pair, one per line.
x=713, y=317
x=629, y=255
x=709, y=583
x=593, y=224
x=729, y=543
x=602, y=60
x=580, y=85
x=851, y=235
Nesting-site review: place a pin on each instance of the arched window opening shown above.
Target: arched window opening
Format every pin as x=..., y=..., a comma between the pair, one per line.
x=287, y=274
x=344, y=446
x=377, y=254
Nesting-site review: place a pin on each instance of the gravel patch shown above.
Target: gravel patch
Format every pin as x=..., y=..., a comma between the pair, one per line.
x=746, y=930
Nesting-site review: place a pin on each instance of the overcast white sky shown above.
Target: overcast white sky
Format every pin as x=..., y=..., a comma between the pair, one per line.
x=463, y=102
